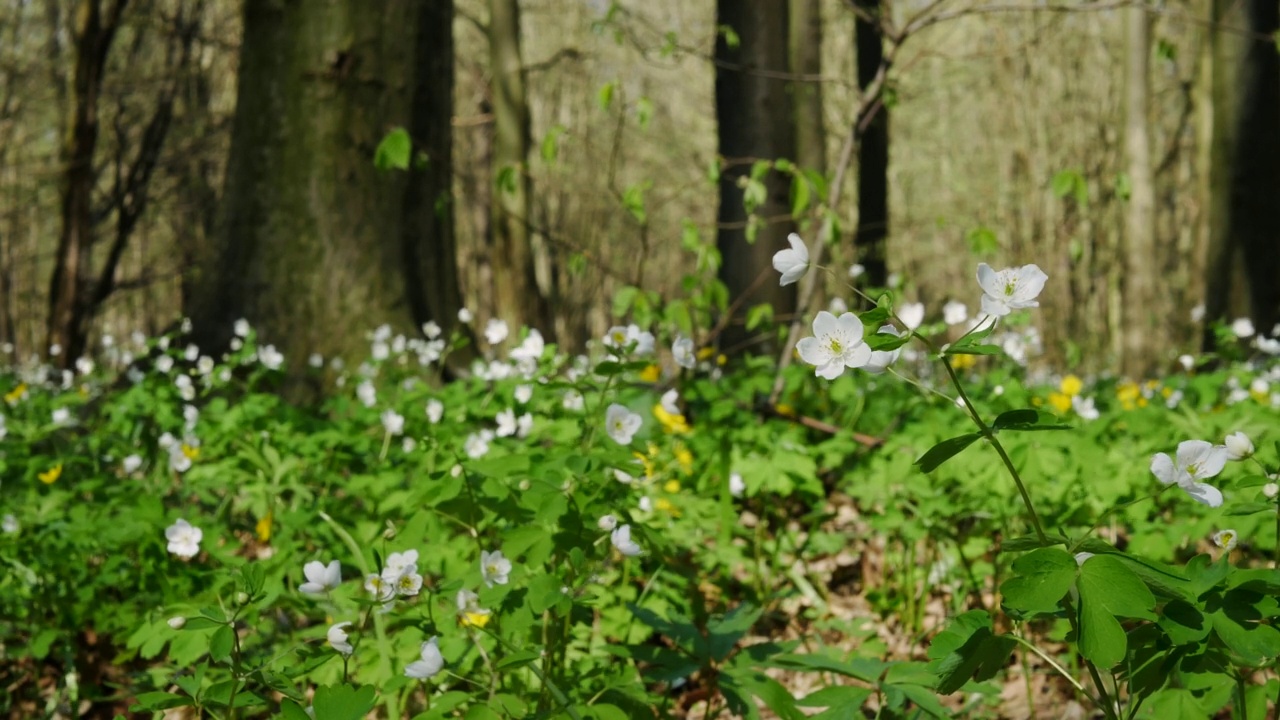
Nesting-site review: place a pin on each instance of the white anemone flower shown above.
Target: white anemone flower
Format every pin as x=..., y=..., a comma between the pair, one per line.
x=1010, y=289
x=435, y=411
x=393, y=422
x=429, y=665
x=496, y=330
x=321, y=578
x=1243, y=328
x=607, y=523
x=792, y=263
x=1226, y=539
x=1239, y=446
x=494, y=568
x=682, y=350
x=621, y=539
x=837, y=344
x=911, y=315
x=955, y=312
x=338, y=638
x=506, y=423
x=621, y=423
x=882, y=359
x=1196, y=460
x=184, y=539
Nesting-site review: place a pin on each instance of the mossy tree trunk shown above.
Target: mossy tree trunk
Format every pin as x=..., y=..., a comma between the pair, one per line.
x=518, y=299
x=871, y=236
x=315, y=245
x=1145, y=308
x=756, y=122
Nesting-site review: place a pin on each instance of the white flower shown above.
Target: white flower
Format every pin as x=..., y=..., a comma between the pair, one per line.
x=164, y=364
x=315, y=360
x=621, y=539
x=882, y=359
x=9, y=524
x=408, y=445
x=177, y=623
x=321, y=578
x=407, y=583
x=911, y=315
x=435, y=410
x=399, y=562
x=61, y=416
x=573, y=401
x=792, y=263
x=242, y=328
x=670, y=401
x=184, y=539
x=1081, y=557
x=270, y=358
x=378, y=586
x=430, y=664
x=955, y=312
x=469, y=608
x=607, y=523
x=622, y=477
x=506, y=423
x=1226, y=539
x=523, y=394
x=1239, y=446
x=379, y=350
x=84, y=365
x=393, y=422
x=494, y=568
x=465, y=316
x=524, y=425
x=1271, y=489
x=682, y=350
x=431, y=329
x=621, y=423
x=1085, y=407
x=179, y=461
x=496, y=330
x=1243, y=327
x=367, y=393
x=1197, y=313
x=1187, y=362
x=1196, y=460
x=856, y=271
x=1010, y=289
x=337, y=637
x=477, y=444
x=836, y=345
x=645, y=504
x=736, y=485
x=620, y=339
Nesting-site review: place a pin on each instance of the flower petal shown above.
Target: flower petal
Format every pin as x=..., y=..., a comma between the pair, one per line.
x=1206, y=494
x=1162, y=468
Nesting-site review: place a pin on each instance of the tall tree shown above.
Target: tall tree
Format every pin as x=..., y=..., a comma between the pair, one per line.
x=806, y=66
x=755, y=123
x=316, y=245
x=870, y=239
x=1144, y=307
x=518, y=299
x=1244, y=229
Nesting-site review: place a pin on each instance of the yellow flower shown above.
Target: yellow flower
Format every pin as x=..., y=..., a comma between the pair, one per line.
x=646, y=463
x=670, y=422
x=651, y=374
x=476, y=619
x=1060, y=401
x=1129, y=394
x=264, y=527
x=962, y=362
x=51, y=476
x=191, y=452
x=784, y=410
x=1070, y=386
x=685, y=458
x=706, y=353
x=721, y=359
x=664, y=505
x=16, y=394
x=672, y=486
x=1037, y=402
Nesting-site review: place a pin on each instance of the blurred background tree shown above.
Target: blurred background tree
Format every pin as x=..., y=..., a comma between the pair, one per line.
x=216, y=158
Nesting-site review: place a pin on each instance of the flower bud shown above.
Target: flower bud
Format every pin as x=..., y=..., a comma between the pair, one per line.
x=1226, y=539
x=1239, y=446
x=608, y=523
x=242, y=597
x=177, y=622
x=1271, y=490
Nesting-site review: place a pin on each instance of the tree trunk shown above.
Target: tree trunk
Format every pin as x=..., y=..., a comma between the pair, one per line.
x=430, y=252
x=517, y=296
x=1144, y=309
x=755, y=122
x=1244, y=168
x=312, y=244
x=806, y=62
x=94, y=30
x=870, y=237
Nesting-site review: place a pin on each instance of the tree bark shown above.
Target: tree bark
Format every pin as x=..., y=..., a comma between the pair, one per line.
x=518, y=299
x=1144, y=308
x=313, y=240
x=94, y=31
x=871, y=236
x=1244, y=175
x=806, y=62
x=755, y=122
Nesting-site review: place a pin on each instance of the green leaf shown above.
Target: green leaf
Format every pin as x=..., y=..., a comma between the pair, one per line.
x=1249, y=508
x=155, y=701
x=605, y=95
x=945, y=450
x=1240, y=625
x=517, y=660
x=1041, y=578
x=343, y=702
x=724, y=633
x=1027, y=420
x=394, y=151
x=1183, y=622
x=222, y=643
x=1108, y=588
x=968, y=649
x=841, y=701
x=974, y=350
x=290, y=710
